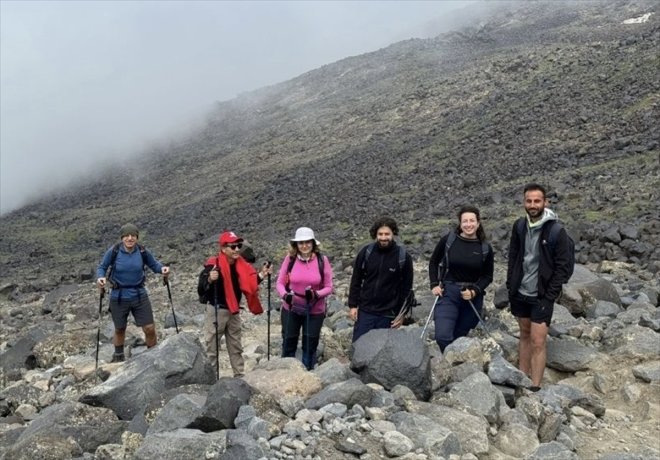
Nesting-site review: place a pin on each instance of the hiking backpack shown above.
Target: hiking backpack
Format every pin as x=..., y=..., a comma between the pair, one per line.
x=113, y=261
x=552, y=241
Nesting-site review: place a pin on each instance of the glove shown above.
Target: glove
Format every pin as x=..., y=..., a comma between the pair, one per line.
x=288, y=298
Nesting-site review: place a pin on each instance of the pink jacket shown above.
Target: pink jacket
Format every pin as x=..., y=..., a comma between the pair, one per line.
x=304, y=274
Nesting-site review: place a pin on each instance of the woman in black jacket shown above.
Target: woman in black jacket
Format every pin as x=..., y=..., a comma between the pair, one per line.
x=460, y=270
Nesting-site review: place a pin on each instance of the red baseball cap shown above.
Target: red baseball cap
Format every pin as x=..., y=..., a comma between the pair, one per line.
x=228, y=238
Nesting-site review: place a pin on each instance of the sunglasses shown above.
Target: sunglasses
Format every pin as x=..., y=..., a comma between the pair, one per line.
x=234, y=247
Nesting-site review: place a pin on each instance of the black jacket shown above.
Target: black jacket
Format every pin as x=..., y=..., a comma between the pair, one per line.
x=553, y=263
x=382, y=287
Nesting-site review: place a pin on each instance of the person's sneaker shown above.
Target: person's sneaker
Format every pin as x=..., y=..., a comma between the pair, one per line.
x=118, y=358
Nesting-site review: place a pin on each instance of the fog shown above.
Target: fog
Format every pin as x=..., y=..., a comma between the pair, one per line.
x=84, y=84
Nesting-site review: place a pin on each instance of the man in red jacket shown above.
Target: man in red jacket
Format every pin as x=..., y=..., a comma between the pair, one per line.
x=223, y=282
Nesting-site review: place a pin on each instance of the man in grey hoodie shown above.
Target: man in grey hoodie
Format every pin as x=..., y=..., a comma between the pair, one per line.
x=536, y=272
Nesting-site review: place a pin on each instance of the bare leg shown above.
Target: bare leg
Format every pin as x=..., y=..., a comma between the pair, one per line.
x=119, y=337
x=525, y=346
x=539, y=334
x=150, y=335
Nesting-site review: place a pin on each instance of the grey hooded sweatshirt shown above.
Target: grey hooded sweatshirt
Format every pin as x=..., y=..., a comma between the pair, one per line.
x=529, y=284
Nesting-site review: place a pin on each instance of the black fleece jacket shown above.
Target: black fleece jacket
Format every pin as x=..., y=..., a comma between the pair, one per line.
x=382, y=287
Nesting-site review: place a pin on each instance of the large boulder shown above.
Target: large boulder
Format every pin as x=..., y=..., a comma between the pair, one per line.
x=479, y=395
x=393, y=357
x=435, y=439
x=179, y=360
x=569, y=355
x=283, y=378
x=584, y=288
x=21, y=354
x=83, y=427
x=350, y=392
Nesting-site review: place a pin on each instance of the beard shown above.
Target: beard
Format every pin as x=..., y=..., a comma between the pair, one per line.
x=535, y=213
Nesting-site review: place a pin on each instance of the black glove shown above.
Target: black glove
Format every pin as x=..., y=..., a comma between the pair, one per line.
x=288, y=298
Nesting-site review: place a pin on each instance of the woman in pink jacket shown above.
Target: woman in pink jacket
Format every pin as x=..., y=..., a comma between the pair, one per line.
x=304, y=283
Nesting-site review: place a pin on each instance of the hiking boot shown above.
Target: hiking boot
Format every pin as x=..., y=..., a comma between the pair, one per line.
x=118, y=358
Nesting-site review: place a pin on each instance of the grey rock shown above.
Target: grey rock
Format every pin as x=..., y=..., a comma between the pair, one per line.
x=396, y=444
x=21, y=355
x=648, y=372
x=182, y=443
x=349, y=446
x=569, y=355
x=434, y=438
x=479, y=396
x=332, y=371
x=392, y=357
x=558, y=397
x=632, y=342
x=473, y=432
x=179, y=412
x=502, y=372
x=552, y=451
x=515, y=440
x=350, y=392
x=604, y=308
x=465, y=349
x=177, y=361
x=223, y=402
x=86, y=428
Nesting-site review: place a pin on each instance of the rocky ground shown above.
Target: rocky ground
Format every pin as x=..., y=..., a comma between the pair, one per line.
x=567, y=96
x=394, y=396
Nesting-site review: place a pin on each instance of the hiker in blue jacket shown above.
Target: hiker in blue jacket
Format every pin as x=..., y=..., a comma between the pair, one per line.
x=460, y=270
x=126, y=261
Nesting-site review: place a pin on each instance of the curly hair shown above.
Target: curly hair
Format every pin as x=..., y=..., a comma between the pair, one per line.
x=383, y=222
x=534, y=187
x=481, y=234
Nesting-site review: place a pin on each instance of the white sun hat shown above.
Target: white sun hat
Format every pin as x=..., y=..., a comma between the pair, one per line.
x=304, y=234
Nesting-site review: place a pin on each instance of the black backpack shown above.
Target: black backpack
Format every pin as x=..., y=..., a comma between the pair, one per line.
x=552, y=240
x=113, y=261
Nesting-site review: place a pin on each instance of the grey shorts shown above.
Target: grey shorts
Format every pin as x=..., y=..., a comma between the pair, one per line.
x=140, y=308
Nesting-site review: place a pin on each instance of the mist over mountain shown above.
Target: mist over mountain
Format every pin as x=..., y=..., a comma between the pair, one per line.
x=563, y=94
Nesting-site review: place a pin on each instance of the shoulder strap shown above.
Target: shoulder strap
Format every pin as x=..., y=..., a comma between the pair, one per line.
x=369, y=250
x=520, y=226
x=484, y=251
x=319, y=258
x=402, y=257
x=553, y=236
x=451, y=237
x=292, y=262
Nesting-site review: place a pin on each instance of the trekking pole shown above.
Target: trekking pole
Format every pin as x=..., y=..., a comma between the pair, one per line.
x=98, y=331
x=308, y=300
x=481, y=321
x=268, y=353
x=166, y=282
x=215, y=322
x=429, y=318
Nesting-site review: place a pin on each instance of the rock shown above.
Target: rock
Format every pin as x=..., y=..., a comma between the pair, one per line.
x=479, y=396
x=569, y=355
x=179, y=412
x=561, y=396
x=473, y=432
x=648, y=372
x=553, y=451
x=177, y=361
x=396, y=444
x=466, y=349
x=21, y=354
x=84, y=427
x=392, y=357
x=604, y=308
x=350, y=392
x=584, y=289
x=283, y=378
x=332, y=371
x=500, y=371
x=222, y=404
x=632, y=342
x=516, y=440
x=435, y=439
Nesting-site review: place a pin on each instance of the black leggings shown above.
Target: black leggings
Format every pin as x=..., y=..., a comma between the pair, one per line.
x=311, y=333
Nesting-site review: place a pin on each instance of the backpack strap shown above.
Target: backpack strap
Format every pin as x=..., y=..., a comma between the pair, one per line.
x=484, y=251
x=370, y=249
x=292, y=261
x=113, y=261
x=451, y=237
x=402, y=257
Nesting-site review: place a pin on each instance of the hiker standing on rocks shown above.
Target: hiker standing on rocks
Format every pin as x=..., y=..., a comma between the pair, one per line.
x=222, y=284
x=460, y=270
x=303, y=283
x=381, y=281
x=126, y=261
x=535, y=276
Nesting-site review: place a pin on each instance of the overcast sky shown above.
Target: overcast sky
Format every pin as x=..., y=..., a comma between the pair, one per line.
x=85, y=82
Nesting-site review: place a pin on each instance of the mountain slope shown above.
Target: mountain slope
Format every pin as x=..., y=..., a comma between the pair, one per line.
x=565, y=95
